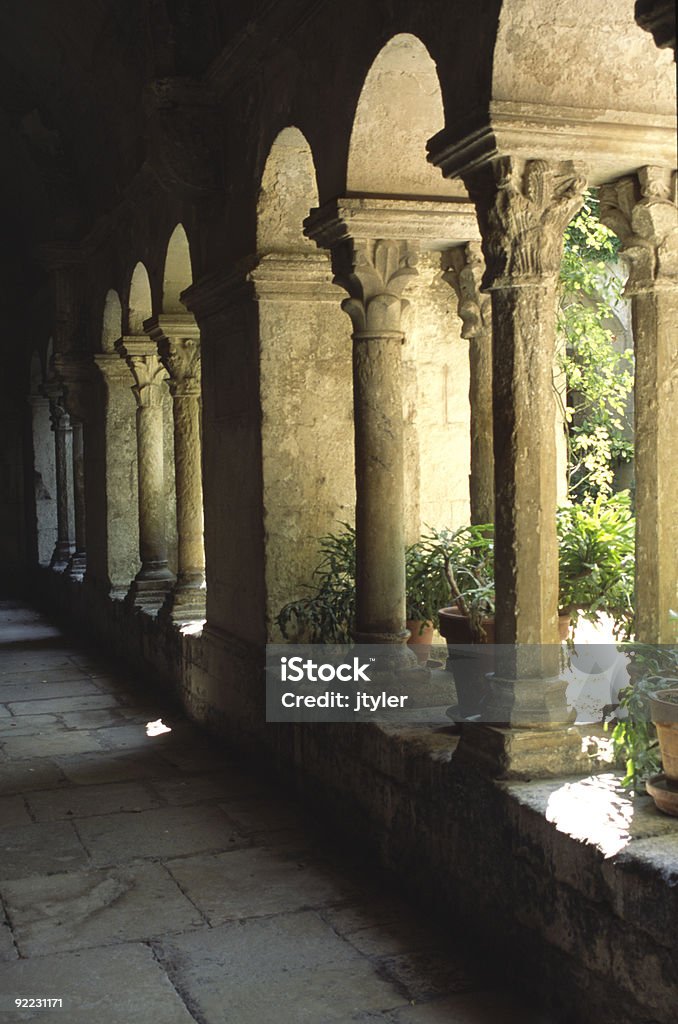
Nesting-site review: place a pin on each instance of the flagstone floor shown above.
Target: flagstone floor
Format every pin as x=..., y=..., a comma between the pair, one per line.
x=146, y=876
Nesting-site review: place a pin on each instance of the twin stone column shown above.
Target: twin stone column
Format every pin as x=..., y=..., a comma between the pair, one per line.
x=170, y=348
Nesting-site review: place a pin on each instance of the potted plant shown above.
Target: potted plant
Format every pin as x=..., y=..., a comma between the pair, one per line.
x=326, y=615
x=426, y=590
x=645, y=737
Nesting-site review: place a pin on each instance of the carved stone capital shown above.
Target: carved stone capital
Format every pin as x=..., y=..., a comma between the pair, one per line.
x=463, y=268
x=149, y=373
x=523, y=208
x=58, y=413
x=177, y=337
x=375, y=273
x=641, y=210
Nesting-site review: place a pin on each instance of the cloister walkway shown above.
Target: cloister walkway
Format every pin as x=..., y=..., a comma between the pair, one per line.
x=145, y=876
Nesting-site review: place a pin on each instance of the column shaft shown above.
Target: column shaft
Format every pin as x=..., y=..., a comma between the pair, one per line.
x=641, y=209
x=78, y=563
x=380, y=528
x=63, y=448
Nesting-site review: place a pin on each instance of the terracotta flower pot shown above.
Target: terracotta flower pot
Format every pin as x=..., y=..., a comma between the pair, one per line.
x=421, y=638
x=664, y=711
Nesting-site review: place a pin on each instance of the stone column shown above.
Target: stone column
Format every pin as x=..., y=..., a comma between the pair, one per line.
x=523, y=209
x=63, y=447
x=381, y=270
x=114, y=530
x=44, y=478
x=78, y=562
x=154, y=579
x=463, y=268
x=641, y=210
x=373, y=243
x=178, y=340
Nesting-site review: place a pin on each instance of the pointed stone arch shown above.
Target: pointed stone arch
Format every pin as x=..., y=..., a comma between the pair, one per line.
x=178, y=271
x=399, y=109
x=140, y=304
x=111, y=327
x=287, y=193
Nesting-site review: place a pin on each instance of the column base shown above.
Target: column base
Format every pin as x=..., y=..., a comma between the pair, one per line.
x=62, y=556
x=394, y=657
x=150, y=587
x=501, y=753
x=184, y=603
x=77, y=567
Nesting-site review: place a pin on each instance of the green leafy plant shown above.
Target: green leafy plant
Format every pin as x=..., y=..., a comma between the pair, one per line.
x=467, y=557
x=327, y=614
x=426, y=587
x=596, y=550
x=598, y=376
x=634, y=737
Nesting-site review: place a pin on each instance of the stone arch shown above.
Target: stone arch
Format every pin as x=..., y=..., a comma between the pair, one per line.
x=287, y=193
x=140, y=305
x=111, y=328
x=178, y=271
x=399, y=109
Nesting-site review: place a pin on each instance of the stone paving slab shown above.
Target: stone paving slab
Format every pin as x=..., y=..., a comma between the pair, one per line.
x=39, y=849
x=475, y=1008
x=163, y=833
x=92, y=908
x=8, y=950
x=52, y=744
x=253, y=816
x=95, y=719
x=88, y=801
x=104, y=767
x=63, y=705
x=13, y=812
x=25, y=776
x=380, y=928
x=36, y=689
x=427, y=975
x=290, y=969
x=5, y=712
x=112, y=985
x=198, y=788
x=29, y=725
x=130, y=737
x=255, y=882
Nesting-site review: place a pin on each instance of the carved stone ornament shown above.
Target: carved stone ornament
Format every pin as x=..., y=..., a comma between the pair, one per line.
x=149, y=373
x=183, y=123
x=181, y=358
x=463, y=268
x=375, y=273
x=642, y=212
x=523, y=214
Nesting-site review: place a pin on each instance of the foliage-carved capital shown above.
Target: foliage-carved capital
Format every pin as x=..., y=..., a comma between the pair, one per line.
x=375, y=273
x=181, y=358
x=147, y=369
x=463, y=268
x=523, y=208
x=641, y=210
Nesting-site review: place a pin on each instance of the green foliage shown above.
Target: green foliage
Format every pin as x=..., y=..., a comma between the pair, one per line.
x=327, y=614
x=467, y=556
x=634, y=737
x=596, y=544
x=599, y=378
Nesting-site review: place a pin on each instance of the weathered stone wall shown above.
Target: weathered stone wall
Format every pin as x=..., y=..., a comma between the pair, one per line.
x=307, y=437
x=436, y=405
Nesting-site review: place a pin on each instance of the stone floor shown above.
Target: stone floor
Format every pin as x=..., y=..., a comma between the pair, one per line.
x=145, y=876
